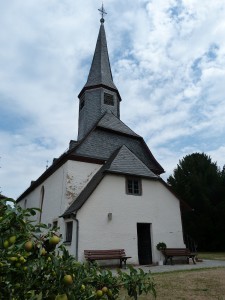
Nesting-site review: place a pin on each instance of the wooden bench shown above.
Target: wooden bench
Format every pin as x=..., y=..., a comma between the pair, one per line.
x=169, y=253
x=92, y=255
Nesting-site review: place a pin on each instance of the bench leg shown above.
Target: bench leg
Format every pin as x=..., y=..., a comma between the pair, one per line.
x=193, y=259
x=166, y=260
x=121, y=263
x=123, y=260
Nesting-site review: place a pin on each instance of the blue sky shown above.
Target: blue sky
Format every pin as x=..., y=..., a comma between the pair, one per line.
x=167, y=59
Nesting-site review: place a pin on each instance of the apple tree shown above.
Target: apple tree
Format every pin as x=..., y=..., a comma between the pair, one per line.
x=35, y=266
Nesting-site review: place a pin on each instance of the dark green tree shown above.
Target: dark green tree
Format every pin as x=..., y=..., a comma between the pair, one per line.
x=201, y=184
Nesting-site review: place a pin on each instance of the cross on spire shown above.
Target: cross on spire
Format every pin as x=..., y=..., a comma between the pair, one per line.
x=102, y=12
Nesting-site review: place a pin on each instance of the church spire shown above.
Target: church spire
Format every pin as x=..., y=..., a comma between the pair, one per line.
x=99, y=94
x=100, y=71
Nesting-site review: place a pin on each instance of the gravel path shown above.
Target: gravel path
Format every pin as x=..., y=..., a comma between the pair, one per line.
x=199, y=265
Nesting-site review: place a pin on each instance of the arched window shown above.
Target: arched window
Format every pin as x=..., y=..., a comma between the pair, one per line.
x=41, y=201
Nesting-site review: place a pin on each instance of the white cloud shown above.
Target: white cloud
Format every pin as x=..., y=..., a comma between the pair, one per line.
x=168, y=62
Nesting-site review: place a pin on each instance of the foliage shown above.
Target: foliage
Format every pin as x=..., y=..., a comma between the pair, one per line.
x=201, y=184
x=34, y=267
x=137, y=282
x=161, y=246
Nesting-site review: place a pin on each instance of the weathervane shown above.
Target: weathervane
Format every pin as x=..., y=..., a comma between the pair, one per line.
x=102, y=12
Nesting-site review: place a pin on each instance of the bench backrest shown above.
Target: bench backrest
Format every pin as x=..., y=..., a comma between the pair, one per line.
x=174, y=251
x=104, y=253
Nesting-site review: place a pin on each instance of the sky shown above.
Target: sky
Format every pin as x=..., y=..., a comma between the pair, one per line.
x=167, y=60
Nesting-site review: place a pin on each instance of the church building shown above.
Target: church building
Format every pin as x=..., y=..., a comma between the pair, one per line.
x=106, y=192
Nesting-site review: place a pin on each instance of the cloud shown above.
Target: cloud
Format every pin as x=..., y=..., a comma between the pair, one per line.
x=168, y=62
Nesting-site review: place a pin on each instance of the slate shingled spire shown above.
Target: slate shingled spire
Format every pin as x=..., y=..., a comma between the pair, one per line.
x=100, y=72
x=99, y=94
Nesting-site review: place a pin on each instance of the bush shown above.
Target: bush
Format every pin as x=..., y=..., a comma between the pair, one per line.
x=34, y=266
x=161, y=246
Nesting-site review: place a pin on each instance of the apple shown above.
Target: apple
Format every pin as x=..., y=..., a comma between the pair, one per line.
x=82, y=287
x=22, y=259
x=6, y=244
x=18, y=265
x=28, y=246
x=105, y=289
x=67, y=279
x=109, y=293
x=61, y=297
x=13, y=258
x=43, y=252
x=99, y=293
x=12, y=239
x=54, y=240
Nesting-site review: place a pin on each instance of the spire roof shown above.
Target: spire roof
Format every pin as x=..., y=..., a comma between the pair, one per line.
x=100, y=72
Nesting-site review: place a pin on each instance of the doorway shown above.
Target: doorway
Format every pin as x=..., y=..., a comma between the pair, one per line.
x=144, y=243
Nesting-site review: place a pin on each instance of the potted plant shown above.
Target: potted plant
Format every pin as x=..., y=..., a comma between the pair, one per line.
x=160, y=247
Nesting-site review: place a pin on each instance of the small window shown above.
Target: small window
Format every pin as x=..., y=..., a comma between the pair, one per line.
x=133, y=186
x=82, y=102
x=108, y=99
x=54, y=224
x=69, y=231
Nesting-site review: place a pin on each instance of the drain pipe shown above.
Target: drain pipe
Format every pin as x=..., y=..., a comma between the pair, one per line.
x=74, y=217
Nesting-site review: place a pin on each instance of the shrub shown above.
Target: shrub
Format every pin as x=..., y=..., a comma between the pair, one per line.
x=161, y=246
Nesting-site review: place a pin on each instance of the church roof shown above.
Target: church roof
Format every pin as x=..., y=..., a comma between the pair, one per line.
x=109, y=121
x=110, y=134
x=122, y=161
x=126, y=162
x=100, y=72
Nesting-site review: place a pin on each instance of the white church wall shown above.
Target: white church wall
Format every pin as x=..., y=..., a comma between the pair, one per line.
x=157, y=206
x=77, y=177
x=58, y=191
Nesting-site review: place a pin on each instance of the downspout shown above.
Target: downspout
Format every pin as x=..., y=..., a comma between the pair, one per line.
x=74, y=217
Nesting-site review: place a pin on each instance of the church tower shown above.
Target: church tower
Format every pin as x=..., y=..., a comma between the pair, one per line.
x=99, y=95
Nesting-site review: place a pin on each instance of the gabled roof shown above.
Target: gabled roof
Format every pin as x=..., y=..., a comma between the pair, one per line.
x=110, y=121
x=126, y=162
x=122, y=161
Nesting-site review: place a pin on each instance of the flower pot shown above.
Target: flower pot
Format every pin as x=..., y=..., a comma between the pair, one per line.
x=160, y=262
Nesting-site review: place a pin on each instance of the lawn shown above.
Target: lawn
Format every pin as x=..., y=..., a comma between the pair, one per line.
x=212, y=255
x=201, y=284
x=205, y=284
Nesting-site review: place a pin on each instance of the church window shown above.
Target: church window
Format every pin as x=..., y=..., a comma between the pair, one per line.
x=69, y=231
x=55, y=224
x=133, y=186
x=108, y=99
x=82, y=102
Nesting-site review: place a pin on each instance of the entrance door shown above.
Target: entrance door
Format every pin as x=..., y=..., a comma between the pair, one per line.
x=144, y=243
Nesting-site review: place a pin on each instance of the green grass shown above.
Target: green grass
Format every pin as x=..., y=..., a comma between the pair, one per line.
x=212, y=255
x=202, y=284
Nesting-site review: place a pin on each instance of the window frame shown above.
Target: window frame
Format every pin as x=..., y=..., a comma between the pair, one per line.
x=68, y=235
x=108, y=99
x=133, y=181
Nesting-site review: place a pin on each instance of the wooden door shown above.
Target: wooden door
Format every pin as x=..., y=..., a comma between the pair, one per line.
x=144, y=243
